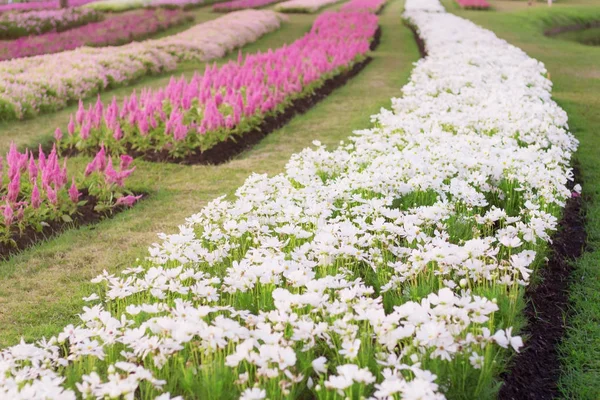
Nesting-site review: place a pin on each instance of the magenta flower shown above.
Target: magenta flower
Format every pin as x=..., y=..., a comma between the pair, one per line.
x=127, y=200
x=13, y=188
x=36, y=200
x=71, y=126
x=33, y=169
x=58, y=134
x=126, y=161
x=8, y=214
x=73, y=192
x=51, y=193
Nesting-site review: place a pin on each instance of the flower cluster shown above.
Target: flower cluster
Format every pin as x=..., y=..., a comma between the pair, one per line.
x=242, y=4
x=303, y=6
x=188, y=116
x=424, y=5
x=389, y=267
x=371, y=6
x=39, y=191
x=16, y=25
x=50, y=82
x=40, y=5
x=114, y=30
x=474, y=4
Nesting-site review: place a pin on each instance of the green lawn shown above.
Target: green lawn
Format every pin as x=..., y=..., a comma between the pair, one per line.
x=41, y=289
x=575, y=71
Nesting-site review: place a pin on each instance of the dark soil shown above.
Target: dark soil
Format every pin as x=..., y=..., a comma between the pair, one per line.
x=420, y=42
x=571, y=28
x=534, y=372
x=85, y=215
x=224, y=151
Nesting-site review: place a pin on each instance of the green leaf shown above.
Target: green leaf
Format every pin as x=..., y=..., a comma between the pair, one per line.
x=66, y=218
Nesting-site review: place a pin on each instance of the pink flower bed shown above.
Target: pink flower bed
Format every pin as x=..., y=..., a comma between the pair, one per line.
x=39, y=190
x=242, y=4
x=190, y=116
x=114, y=30
x=478, y=4
x=40, y=5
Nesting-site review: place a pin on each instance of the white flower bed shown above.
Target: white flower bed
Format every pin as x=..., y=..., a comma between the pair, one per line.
x=388, y=267
x=303, y=6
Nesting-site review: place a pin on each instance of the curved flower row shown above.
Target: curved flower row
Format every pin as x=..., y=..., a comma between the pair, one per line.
x=49, y=82
x=16, y=25
x=387, y=268
x=242, y=4
x=114, y=30
x=303, y=6
x=475, y=4
x=40, y=5
x=186, y=117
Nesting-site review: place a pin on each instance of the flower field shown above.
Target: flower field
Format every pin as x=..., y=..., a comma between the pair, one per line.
x=49, y=82
x=16, y=25
x=186, y=117
x=40, y=5
x=364, y=224
x=112, y=31
x=392, y=266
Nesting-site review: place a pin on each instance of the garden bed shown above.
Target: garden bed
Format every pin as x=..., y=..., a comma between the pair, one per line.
x=234, y=145
x=85, y=215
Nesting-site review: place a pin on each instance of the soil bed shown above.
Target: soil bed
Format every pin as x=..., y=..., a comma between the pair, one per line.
x=420, y=42
x=557, y=30
x=534, y=372
x=85, y=215
x=232, y=146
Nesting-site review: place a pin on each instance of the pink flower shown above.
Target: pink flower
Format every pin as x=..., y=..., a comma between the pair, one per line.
x=13, y=188
x=80, y=113
x=71, y=126
x=118, y=133
x=51, y=193
x=126, y=161
x=33, y=169
x=58, y=134
x=8, y=214
x=36, y=200
x=73, y=192
x=127, y=200
x=114, y=177
x=98, y=163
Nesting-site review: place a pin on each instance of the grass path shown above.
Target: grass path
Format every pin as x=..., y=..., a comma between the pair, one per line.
x=41, y=289
x=575, y=71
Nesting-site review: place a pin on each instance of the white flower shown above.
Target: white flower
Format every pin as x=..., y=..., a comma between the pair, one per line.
x=320, y=365
x=253, y=394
